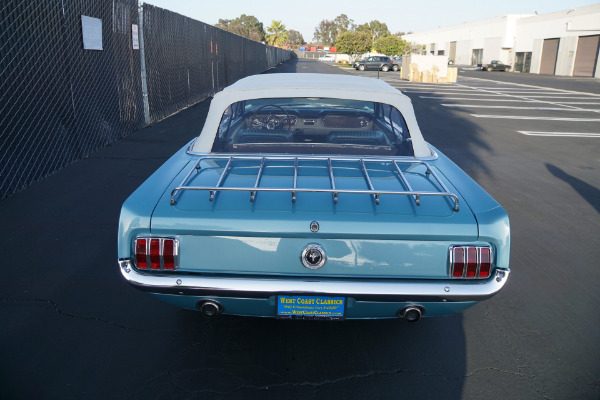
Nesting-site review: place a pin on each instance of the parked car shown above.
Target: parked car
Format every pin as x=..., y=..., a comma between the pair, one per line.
x=381, y=63
x=328, y=58
x=495, y=65
x=313, y=196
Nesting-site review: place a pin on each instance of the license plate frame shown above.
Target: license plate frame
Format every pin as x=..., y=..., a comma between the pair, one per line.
x=311, y=307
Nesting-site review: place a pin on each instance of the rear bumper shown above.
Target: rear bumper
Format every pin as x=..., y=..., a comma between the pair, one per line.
x=361, y=290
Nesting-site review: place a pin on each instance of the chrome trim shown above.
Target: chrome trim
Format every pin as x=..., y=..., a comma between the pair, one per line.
x=368, y=179
x=258, y=177
x=295, y=180
x=405, y=182
x=392, y=290
x=314, y=226
x=434, y=155
x=304, y=256
x=332, y=180
x=213, y=190
x=221, y=179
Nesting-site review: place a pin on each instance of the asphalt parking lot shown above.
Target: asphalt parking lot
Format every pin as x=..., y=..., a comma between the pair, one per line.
x=73, y=329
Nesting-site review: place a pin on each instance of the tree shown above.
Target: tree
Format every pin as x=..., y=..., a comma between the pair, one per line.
x=295, y=38
x=245, y=25
x=277, y=34
x=325, y=32
x=342, y=24
x=392, y=45
x=375, y=29
x=415, y=48
x=353, y=43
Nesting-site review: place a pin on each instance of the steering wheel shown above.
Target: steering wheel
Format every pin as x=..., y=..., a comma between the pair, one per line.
x=273, y=125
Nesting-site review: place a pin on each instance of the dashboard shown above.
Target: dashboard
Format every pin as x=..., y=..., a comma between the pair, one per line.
x=322, y=120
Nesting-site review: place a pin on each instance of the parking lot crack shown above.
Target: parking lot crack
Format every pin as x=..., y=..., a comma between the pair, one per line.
x=316, y=386
x=52, y=305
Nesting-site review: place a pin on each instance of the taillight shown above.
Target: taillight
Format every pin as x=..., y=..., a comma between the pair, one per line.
x=169, y=254
x=470, y=262
x=155, y=253
x=140, y=254
x=485, y=262
x=158, y=254
x=458, y=262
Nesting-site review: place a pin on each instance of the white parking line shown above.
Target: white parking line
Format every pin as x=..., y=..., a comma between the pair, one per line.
x=542, y=101
x=519, y=108
x=556, y=97
x=534, y=86
x=579, y=102
x=509, y=89
x=461, y=93
x=409, y=83
x=561, y=134
x=428, y=90
x=462, y=98
x=538, y=118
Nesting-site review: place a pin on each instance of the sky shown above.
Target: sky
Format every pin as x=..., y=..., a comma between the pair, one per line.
x=399, y=15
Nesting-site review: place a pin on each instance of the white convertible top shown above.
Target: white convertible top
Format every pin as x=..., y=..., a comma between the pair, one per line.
x=309, y=85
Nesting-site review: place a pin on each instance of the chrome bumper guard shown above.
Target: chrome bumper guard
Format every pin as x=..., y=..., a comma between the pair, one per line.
x=361, y=290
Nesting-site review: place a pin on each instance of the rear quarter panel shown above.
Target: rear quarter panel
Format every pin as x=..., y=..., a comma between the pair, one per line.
x=137, y=210
x=492, y=220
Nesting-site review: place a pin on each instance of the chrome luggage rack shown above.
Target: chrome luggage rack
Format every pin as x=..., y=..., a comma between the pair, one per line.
x=416, y=195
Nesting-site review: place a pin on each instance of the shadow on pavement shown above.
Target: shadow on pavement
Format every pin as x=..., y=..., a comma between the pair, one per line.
x=587, y=192
x=74, y=329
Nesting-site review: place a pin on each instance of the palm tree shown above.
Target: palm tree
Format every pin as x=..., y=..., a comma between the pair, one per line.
x=277, y=34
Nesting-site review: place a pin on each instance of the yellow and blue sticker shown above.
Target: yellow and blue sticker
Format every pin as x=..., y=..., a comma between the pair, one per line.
x=311, y=306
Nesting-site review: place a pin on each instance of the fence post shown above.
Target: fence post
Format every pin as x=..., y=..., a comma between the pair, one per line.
x=143, y=65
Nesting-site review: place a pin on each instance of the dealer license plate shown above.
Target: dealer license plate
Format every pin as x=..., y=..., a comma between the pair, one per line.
x=317, y=307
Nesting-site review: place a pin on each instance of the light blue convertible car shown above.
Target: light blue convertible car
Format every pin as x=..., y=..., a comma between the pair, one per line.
x=312, y=196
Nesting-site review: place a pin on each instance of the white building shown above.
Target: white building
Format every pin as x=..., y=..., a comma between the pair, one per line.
x=561, y=43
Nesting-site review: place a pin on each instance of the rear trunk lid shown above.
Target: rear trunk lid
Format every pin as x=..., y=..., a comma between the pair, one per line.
x=395, y=238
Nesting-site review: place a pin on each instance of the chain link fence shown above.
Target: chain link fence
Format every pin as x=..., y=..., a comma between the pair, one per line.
x=60, y=103
x=188, y=60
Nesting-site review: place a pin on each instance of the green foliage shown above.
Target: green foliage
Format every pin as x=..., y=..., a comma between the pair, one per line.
x=375, y=29
x=343, y=24
x=295, y=38
x=353, y=43
x=246, y=25
x=277, y=34
x=392, y=45
x=325, y=32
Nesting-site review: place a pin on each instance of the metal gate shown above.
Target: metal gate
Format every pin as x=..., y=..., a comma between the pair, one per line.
x=587, y=56
x=549, y=54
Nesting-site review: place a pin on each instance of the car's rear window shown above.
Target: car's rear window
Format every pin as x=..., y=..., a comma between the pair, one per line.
x=313, y=126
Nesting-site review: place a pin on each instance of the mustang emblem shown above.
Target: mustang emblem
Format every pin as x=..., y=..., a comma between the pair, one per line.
x=313, y=256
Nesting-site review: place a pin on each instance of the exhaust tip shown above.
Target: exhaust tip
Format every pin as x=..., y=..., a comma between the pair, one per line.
x=411, y=313
x=209, y=308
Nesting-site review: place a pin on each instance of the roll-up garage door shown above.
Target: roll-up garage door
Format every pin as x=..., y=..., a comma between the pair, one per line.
x=549, y=52
x=587, y=55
